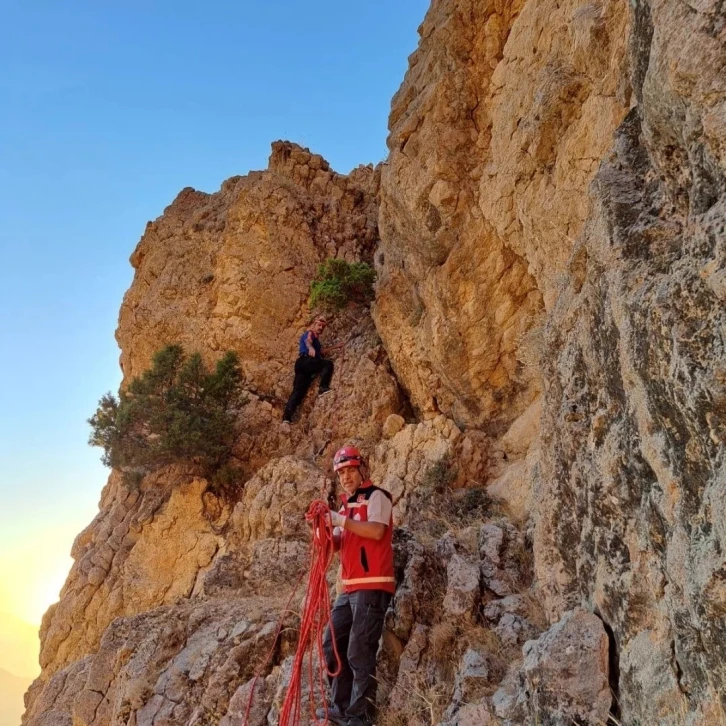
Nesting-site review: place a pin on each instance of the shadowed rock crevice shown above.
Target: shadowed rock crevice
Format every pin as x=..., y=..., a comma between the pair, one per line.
x=613, y=668
x=640, y=44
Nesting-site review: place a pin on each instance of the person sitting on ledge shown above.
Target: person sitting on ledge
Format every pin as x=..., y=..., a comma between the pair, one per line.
x=311, y=361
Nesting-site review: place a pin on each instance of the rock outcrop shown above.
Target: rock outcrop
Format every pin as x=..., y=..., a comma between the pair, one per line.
x=496, y=132
x=231, y=270
x=564, y=677
x=171, y=665
x=144, y=549
x=633, y=425
x=541, y=386
x=578, y=143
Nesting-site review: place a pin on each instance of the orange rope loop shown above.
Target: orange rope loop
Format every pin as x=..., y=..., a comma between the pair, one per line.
x=315, y=617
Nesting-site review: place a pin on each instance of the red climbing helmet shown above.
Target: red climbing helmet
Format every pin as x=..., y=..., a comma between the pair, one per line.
x=347, y=456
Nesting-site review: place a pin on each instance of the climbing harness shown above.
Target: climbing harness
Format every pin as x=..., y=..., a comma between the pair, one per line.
x=315, y=617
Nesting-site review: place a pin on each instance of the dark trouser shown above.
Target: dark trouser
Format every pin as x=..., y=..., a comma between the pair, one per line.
x=306, y=368
x=357, y=619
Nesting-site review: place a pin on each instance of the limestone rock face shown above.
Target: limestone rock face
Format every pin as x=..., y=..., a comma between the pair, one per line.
x=554, y=200
x=419, y=455
x=172, y=540
x=563, y=679
x=364, y=395
x=179, y=664
x=470, y=685
x=268, y=540
x=567, y=671
x=145, y=548
x=632, y=483
x=496, y=132
x=169, y=594
x=440, y=662
x=231, y=270
x=463, y=588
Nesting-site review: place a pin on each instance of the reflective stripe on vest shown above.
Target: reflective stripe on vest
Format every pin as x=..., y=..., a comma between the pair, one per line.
x=368, y=580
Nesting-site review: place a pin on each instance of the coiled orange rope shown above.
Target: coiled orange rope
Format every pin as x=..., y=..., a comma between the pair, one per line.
x=315, y=617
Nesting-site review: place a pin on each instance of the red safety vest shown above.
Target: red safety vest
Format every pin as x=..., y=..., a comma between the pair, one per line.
x=367, y=563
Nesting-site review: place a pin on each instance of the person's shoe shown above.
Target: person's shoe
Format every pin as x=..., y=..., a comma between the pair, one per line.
x=334, y=715
x=323, y=391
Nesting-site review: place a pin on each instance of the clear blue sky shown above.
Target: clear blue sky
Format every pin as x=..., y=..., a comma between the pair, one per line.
x=108, y=110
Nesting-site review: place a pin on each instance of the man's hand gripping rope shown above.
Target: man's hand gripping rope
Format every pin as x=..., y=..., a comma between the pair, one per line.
x=315, y=617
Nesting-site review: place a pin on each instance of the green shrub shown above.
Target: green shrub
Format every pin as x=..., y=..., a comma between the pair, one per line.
x=175, y=411
x=338, y=282
x=439, y=475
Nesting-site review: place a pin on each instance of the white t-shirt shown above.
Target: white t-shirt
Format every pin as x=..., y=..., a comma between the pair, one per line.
x=379, y=508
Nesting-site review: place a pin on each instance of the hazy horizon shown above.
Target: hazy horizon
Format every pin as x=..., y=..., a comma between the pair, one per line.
x=19, y=648
x=12, y=689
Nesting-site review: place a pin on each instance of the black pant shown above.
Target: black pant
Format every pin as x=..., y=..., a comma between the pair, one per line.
x=306, y=368
x=357, y=619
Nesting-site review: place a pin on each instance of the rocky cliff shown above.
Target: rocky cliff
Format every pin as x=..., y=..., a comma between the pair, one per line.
x=540, y=383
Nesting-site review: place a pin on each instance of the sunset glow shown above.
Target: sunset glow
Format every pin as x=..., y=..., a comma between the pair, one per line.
x=33, y=573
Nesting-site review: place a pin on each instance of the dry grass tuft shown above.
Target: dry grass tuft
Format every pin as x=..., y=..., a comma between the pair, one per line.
x=535, y=610
x=442, y=638
x=425, y=702
x=432, y=698
x=486, y=640
x=391, y=719
x=441, y=509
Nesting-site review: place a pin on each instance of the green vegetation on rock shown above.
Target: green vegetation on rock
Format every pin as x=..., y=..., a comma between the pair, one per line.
x=338, y=283
x=176, y=411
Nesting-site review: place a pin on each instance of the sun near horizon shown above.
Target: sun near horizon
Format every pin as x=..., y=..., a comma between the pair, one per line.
x=26, y=595
x=32, y=574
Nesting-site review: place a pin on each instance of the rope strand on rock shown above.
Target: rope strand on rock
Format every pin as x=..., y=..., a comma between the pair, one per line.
x=315, y=617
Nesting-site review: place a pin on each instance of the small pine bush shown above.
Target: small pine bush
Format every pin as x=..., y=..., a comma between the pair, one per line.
x=175, y=411
x=338, y=282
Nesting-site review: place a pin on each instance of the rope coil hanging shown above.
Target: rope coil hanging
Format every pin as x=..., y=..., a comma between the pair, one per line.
x=315, y=617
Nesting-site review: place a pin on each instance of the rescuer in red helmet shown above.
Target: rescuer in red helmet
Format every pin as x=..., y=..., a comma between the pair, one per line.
x=363, y=532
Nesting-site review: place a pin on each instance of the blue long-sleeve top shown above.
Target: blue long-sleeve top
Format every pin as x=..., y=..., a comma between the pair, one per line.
x=303, y=347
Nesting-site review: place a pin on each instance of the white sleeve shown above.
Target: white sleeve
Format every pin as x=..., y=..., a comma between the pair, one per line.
x=379, y=508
